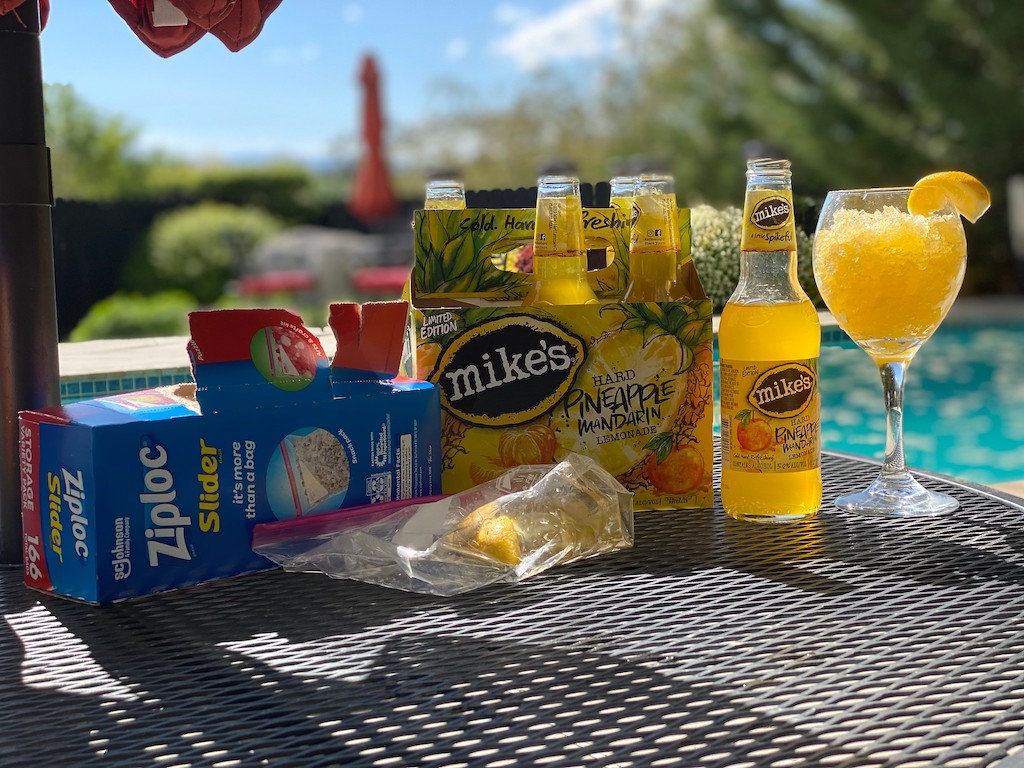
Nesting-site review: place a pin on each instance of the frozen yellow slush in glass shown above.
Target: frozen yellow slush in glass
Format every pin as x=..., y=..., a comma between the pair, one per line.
x=889, y=263
x=889, y=276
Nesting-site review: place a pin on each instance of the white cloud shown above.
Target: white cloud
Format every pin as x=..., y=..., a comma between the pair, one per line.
x=304, y=53
x=579, y=29
x=352, y=13
x=456, y=49
x=309, y=52
x=509, y=14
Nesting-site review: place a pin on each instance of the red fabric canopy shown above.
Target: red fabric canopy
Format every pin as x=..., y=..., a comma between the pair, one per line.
x=10, y=5
x=236, y=23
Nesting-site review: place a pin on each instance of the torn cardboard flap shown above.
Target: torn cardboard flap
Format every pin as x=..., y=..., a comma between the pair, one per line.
x=245, y=358
x=370, y=340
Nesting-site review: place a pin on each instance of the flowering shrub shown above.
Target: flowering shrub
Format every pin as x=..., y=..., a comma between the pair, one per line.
x=716, y=252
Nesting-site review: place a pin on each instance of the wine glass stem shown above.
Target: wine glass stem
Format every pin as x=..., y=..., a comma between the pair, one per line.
x=893, y=374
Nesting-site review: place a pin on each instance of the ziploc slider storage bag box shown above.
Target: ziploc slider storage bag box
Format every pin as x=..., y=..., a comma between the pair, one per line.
x=628, y=384
x=153, y=490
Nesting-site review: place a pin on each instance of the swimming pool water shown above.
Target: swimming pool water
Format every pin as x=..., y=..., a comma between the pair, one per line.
x=963, y=403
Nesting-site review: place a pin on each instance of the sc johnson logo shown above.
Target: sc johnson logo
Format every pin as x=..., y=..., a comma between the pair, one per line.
x=508, y=371
x=783, y=391
x=771, y=213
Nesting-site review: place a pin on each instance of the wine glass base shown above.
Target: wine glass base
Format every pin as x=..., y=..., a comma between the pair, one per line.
x=898, y=497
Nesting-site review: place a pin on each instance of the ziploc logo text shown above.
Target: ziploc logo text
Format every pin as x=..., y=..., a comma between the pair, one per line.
x=68, y=489
x=166, y=526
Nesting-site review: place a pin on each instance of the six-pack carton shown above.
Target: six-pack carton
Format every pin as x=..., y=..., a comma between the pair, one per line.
x=629, y=384
x=158, y=489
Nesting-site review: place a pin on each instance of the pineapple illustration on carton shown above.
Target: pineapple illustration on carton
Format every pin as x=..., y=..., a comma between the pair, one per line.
x=629, y=384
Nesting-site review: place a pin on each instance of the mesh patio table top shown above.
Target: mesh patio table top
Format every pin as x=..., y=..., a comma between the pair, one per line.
x=841, y=641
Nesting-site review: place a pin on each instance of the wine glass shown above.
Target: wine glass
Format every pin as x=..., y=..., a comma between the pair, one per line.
x=889, y=277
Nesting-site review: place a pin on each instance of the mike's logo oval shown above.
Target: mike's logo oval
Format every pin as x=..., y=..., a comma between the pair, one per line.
x=771, y=213
x=508, y=371
x=784, y=391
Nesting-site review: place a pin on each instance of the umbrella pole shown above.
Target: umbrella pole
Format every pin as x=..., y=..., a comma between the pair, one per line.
x=29, y=372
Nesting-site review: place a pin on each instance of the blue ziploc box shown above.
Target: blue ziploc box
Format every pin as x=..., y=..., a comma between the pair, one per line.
x=154, y=490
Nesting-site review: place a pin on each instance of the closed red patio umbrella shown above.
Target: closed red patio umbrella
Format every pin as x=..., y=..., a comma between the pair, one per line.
x=372, y=198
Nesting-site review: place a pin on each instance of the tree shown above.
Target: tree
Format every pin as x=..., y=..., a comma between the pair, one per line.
x=679, y=92
x=547, y=121
x=865, y=93
x=90, y=153
x=907, y=89
x=856, y=93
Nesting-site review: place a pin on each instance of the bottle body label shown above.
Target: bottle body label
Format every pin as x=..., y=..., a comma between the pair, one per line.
x=768, y=221
x=771, y=415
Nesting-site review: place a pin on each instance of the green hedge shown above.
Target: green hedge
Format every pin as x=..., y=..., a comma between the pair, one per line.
x=288, y=192
x=135, y=315
x=200, y=248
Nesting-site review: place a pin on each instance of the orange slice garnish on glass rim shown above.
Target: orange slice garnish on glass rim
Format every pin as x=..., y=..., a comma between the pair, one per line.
x=968, y=195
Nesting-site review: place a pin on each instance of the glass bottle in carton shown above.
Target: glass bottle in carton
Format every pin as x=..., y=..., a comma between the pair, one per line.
x=559, y=250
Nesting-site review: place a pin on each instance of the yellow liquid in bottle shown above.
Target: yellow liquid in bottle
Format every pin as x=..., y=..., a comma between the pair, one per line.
x=770, y=332
x=445, y=204
x=559, y=280
x=653, y=277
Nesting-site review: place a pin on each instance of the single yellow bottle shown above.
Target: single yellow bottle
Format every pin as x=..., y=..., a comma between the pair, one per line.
x=559, y=253
x=769, y=339
x=620, y=194
x=445, y=191
x=654, y=241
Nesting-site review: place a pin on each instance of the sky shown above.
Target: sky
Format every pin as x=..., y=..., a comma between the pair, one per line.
x=294, y=92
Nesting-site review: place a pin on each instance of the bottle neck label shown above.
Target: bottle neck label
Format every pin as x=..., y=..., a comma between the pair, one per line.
x=768, y=223
x=654, y=224
x=559, y=227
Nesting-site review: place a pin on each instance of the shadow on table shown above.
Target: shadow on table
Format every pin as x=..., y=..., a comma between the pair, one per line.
x=932, y=551
x=300, y=669
x=414, y=698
